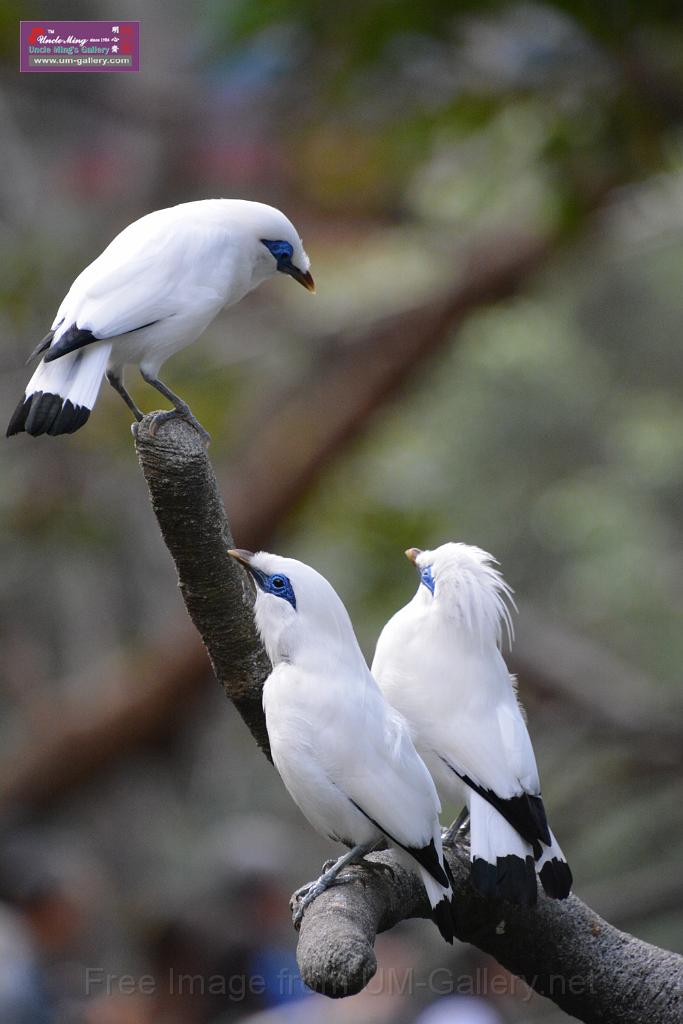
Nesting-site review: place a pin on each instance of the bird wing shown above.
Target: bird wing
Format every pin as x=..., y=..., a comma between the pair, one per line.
x=463, y=710
x=386, y=779
x=460, y=701
x=142, y=276
x=485, y=742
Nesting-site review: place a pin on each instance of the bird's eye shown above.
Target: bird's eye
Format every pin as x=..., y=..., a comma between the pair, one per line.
x=427, y=577
x=281, y=250
x=279, y=585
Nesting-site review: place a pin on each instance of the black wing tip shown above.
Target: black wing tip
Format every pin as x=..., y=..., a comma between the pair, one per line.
x=428, y=858
x=538, y=810
x=41, y=346
x=72, y=339
x=511, y=878
x=556, y=878
x=525, y=812
x=45, y=413
x=443, y=915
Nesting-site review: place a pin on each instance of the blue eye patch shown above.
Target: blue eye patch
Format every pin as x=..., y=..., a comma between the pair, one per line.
x=278, y=585
x=427, y=578
x=281, y=250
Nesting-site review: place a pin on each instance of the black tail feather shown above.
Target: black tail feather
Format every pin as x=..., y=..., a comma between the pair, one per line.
x=70, y=419
x=18, y=421
x=45, y=413
x=556, y=878
x=443, y=918
x=511, y=878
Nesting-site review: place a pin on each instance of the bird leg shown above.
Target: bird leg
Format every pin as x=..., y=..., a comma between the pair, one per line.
x=181, y=409
x=371, y=865
x=458, y=830
x=304, y=896
x=117, y=385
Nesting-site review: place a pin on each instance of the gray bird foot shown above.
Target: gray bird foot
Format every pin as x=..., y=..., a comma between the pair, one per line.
x=160, y=418
x=371, y=865
x=454, y=838
x=304, y=896
x=456, y=833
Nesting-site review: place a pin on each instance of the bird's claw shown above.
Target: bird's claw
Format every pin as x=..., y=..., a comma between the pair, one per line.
x=453, y=839
x=304, y=896
x=160, y=418
x=297, y=917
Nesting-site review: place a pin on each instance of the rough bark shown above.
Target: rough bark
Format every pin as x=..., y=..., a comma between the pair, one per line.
x=562, y=950
x=188, y=506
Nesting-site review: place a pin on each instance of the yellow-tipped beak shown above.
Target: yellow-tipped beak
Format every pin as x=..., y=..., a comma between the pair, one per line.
x=241, y=556
x=412, y=554
x=303, y=277
x=307, y=281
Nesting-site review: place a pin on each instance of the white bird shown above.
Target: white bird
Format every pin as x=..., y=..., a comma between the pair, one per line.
x=438, y=661
x=343, y=753
x=151, y=293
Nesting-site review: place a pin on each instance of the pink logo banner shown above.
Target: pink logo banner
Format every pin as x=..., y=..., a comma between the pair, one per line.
x=79, y=45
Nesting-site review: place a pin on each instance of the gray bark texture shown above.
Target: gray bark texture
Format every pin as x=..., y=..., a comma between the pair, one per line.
x=563, y=950
x=188, y=506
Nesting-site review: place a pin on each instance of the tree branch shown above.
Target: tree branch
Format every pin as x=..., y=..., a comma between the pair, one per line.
x=562, y=950
x=187, y=503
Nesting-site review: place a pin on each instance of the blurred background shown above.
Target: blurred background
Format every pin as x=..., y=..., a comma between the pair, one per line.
x=492, y=199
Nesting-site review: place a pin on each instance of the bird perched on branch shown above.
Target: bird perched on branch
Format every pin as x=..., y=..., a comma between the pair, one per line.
x=343, y=753
x=152, y=292
x=438, y=661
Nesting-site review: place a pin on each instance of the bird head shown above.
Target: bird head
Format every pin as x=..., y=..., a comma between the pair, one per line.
x=298, y=613
x=267, y=242
x=461, y=582
x=278, y=246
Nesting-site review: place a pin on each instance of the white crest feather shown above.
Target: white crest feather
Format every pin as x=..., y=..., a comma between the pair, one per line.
x=473, y=589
